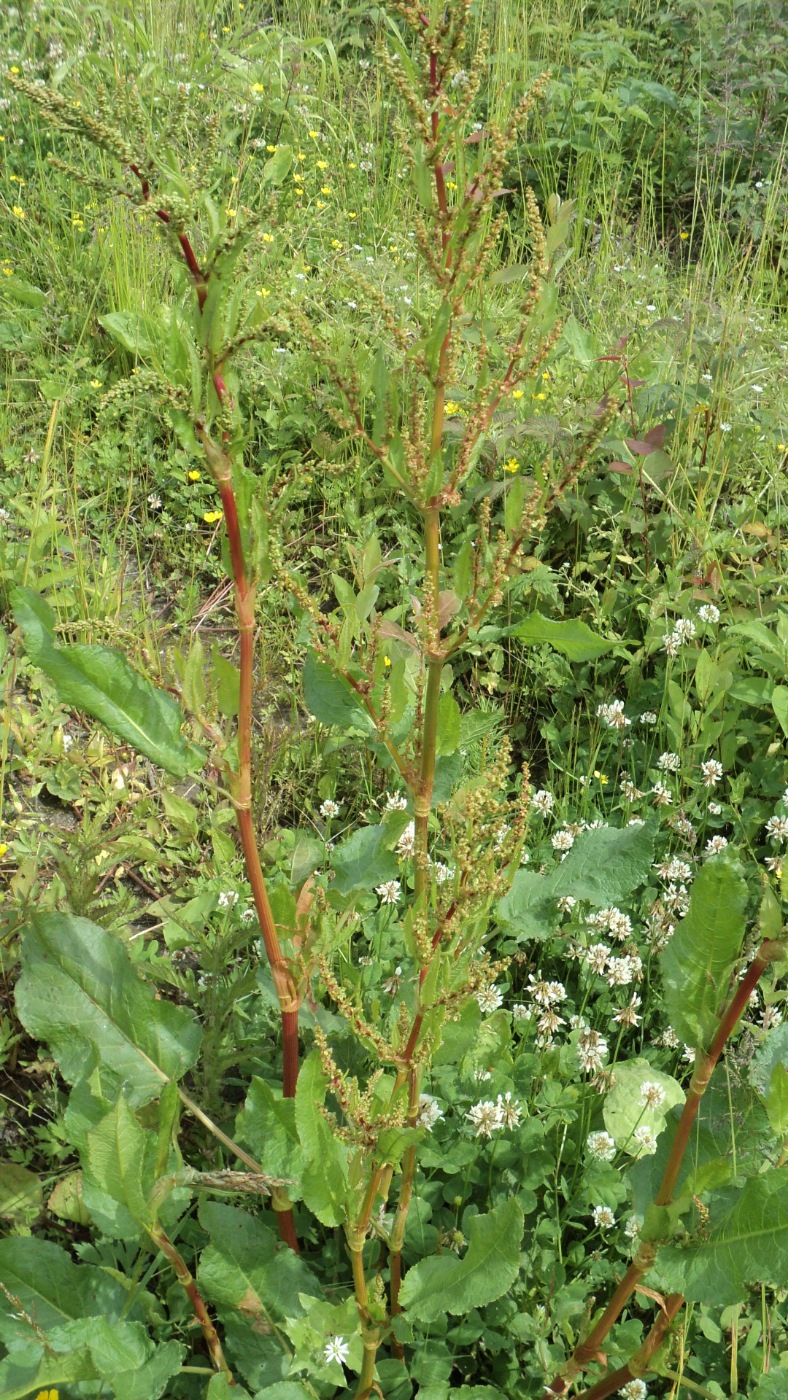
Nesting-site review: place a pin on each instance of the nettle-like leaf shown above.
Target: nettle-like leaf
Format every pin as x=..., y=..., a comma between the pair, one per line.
x=447, y=1284
x=698, y=962
x=603, y=867
x=101, y=682
x=624, y=1109
x=80, y=993
x=573, y=638
x=747, y=1243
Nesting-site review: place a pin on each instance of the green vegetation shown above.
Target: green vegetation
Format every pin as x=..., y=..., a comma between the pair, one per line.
x=393, y=771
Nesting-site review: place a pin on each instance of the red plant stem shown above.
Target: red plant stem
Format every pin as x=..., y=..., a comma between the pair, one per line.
x=176, y=1260
x=644, y=1258
x=637, y=1364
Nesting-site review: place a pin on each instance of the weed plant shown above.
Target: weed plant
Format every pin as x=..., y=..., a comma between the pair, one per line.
x=395, y=1005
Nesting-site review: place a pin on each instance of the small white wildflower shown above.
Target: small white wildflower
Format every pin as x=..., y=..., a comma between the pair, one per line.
x=485, y=1117
x=562, y=841
x=67, y=740
x=592, y=1051
x=683, y=631
x=669, y=762
x=389, y=892
x=395, y=802
x=543, y=802
x=248, y=916
x=429, y=1113
x=674, y=869
x=601, y=1145
x=596, y=957
x=632, y=1228
x=715, y=808
x=725, y=427
x=652, y=1094
x=777, y=828
x=635, y=1389
x=545, y=993
x=407, y=841
x=329, y=808
x=460, y=79
x=337, y=1349
x=154, y=501
x=510, y=1110
x=712, y=772
x=662, y=796
x=771, y=1018
x=715, y=844
x=442, y=872
x=709, y=612
x=228, y=899
x=547, y=1024
x=520, y=1012
x=648, y=717
x=501, y=835
x=628, y=1015
x=629, y=791
x=612, y=714
x=489, y=999
x=566, y=903
x=621, y=971
x=645, y=1139
x=604, y=1217
x=669, y=1039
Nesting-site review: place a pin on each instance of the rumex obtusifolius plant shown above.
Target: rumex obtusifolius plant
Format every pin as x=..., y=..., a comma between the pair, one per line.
x=338, y=1145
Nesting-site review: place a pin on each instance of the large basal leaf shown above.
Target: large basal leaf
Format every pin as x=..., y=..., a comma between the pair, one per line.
x=324, y=1174
x=123, y=1355
x=267, y=1124
x=447, y=1284
x=603, y=867
x=573, y=638
x=19, y=1379
x=363, y=860
x=698, y=961
x=246, y=1267
x=81, y=995
x=331, y=699
x=51, y=1288
x=747, y=1245
x=101, y=682
x=119, y=1173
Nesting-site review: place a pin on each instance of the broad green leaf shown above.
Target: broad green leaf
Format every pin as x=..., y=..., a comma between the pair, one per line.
x=780, y=705
x=81, y=995
x=66, y=1200
x=309, y=1331
x=580, y=342
x=245, y=1266
x=284, y=1390
x=363, y=860
x=447, y=1284
x=624, y=1109
x=331, y=699
x=747, y=1243
x=772, y=1051
x=21, y=1194
x=324, y=1175
x=101, y=682
x=51, y=1288
x=118, y=1175
x=220, y=1388
x=573, y=638
x=698, y=961
x=267, y=1124
x=131, y=330
x=448, y=724
x=777, y=1101
x=19, y=1379
x=603, y=867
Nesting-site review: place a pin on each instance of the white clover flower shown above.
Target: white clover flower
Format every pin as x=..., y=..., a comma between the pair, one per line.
x=442, y=872
x=592, y=1051
x=562, y=841
x=154, y=501
x=628, y=1015
x=725, y=427
x=510, y=1110
x=632, y=1228
x=709, y=612
x=784, y=797
x=662, y=796
x=714, y=845
x=652, y=1094
x=669, y=1039
x=712, y=772
x=674, y=869
x=489, y=999
x=228, y=899
x=669, y=762
x=520, y=1012
x=543, y=802
x=602, y=1146
x=329, y=808
x=547, y=1024
x=501, y=835
x=683, y=631
x=247, y=916
x=337, y=1349
x=545, y=993
x=389, y=892
x=395, y=802
x=430, y=1112
x=566, y=903
x=612, y=714
x=622, y=971
x=604, y=1217
x=635, y=1389
x=485, y=1117
x=629, y=791
x=715, y=808
x=407, y=841
x=777, y=828
x=648, y=717
x=645, y=1139
x=596, y=957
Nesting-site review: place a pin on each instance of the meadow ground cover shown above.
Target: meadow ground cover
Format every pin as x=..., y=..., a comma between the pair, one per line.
x=394, y=782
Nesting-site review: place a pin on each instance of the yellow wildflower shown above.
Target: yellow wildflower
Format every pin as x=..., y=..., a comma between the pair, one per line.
x=335, y=243
x=540, y=396
x=8, y=272
x=517, y=393
x=95, y=384
x=263, y=291
x=231, y=213
x=47, y=1395
x=321, y=164
x=211, y=516
x=195, y=475
x=601, y=777
x=14, y=68
x=270, y=148
x=257, y=87
x=683, y=235
x=511, y=465
x=351, y=165
x=451, y=406
x=386, y=660
x=19, y=213
x=268, y=238
x=325, y=189
x=451, y=184
x=3, y=848
x=545, y=374
x=351, y=214
x=313, y=133
x=320, y=204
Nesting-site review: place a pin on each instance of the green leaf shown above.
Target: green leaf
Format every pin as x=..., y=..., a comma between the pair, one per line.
x=19, y=1379
x=573, y=638
x=624, y=1109
x=81, y=995
x=131, y=330
x=220, y=1388
x=118, y=1175
x=747, y=1245
x=363, y=860
x=580, y=342
x=324, y=1176
x=447, y=1284
x=780, y=705
x=277, y=166
x=448, y=724
x=267, y=1124
x=604, y=866
x=698, y=961
x=245, y=1267
x=101, y=682
x=284, y=1390
x=21, y=1194
x=331, y=699
x=777, y=1101
x=50, y=1287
